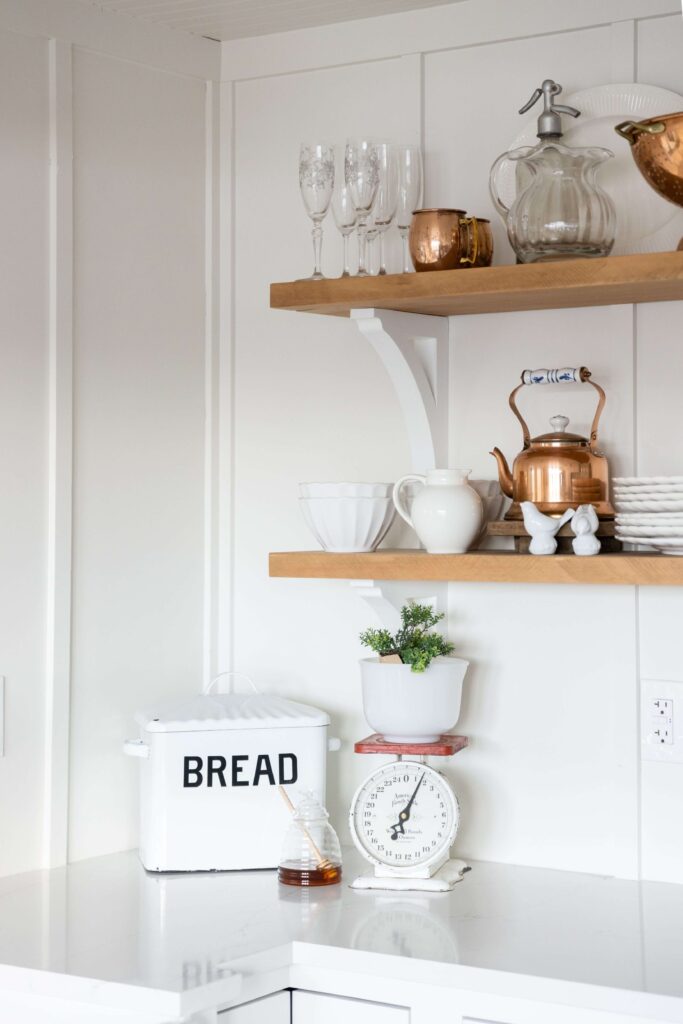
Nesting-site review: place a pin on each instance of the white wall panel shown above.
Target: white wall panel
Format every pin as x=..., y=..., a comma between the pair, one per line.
x=660, y=41
x=23, y=449
x=660, y=451
x=551, y=776
x=139, y=421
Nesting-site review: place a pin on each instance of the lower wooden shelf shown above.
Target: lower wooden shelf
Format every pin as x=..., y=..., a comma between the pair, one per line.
x=628, y=568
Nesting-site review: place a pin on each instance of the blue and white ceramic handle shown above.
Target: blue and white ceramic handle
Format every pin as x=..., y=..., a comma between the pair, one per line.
x=562, y=375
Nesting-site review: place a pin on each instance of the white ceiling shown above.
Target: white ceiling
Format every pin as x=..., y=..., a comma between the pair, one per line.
x=238, y=19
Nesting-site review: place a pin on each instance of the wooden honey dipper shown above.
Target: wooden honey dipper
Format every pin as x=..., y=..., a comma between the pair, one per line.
x=323, y=863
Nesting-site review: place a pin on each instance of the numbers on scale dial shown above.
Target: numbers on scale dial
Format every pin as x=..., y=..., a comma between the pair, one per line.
x=405, y=814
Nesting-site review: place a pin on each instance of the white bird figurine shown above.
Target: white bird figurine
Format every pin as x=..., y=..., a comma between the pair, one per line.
x=543, y=528
x=584, y=525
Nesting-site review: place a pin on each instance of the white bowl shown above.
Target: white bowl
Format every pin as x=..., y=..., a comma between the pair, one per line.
x=412, y=707
x=345, y=490
x=348, y=524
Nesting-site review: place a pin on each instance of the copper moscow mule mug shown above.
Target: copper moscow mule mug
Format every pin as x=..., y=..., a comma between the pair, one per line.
x=484, y=257
x=443, y=239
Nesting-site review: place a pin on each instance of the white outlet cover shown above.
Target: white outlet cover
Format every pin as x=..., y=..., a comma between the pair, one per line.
x=650, y=691
x=2, y=716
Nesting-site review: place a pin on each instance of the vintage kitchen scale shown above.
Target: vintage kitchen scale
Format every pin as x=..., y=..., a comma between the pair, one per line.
x=556, y=470
x=404, y=817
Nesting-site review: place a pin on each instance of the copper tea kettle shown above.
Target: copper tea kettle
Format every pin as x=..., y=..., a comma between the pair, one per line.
x=557, y=470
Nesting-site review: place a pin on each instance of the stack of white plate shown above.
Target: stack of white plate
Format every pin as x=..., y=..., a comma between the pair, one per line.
x=649, y=510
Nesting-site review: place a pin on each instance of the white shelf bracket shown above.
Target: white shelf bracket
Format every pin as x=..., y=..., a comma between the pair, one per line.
x=387, y=599
x=386, y=611
x=414, y=351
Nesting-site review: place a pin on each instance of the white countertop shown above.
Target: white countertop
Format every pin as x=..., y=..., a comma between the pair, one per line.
x=104, y=931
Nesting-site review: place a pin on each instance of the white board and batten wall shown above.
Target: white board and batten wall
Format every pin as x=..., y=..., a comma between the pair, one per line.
x=147, y=487
x=105, y=176
x=553, y=776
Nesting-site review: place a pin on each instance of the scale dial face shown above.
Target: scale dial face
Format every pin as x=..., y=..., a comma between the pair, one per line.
x=405, y=815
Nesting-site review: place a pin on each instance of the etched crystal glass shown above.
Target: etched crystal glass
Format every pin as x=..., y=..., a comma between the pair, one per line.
x=361, y=175
x=316, y=181
x=409, y=194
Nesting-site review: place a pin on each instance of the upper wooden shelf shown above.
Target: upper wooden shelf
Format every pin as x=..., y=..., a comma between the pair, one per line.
x=628, y=567
x=653, y=277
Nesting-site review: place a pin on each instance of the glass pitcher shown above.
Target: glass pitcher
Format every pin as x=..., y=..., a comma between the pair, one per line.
x=560, y=212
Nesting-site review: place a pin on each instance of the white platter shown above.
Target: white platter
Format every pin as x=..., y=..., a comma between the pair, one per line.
x=648, y=530
x=647, y=489
x=645, y=481
x=647, y=496
x=667, y=545
x=649, y=506
x=653, y=518
x=645, y=221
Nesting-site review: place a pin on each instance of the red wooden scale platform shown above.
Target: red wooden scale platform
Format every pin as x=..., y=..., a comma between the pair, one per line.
x=445, y=746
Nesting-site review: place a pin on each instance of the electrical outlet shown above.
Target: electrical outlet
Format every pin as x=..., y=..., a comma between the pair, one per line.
x=663, y=732
x=2, y=716
x=660, y=711
x=661, y=707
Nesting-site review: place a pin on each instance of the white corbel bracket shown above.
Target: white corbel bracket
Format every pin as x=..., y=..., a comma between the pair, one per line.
x=414, y=350
x=387, y=605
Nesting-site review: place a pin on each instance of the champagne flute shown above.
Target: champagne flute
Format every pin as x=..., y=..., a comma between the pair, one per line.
x=345, y=217
x=409, y=194
x=387, y=195
x=316, y=181
x=372, y=231
x=361, y=174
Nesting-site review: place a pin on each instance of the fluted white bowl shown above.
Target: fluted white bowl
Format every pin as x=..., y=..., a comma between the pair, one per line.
x=345, y=490
x=348, y=524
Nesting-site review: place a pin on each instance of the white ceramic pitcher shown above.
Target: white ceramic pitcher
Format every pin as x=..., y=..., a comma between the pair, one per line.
x=446, y=513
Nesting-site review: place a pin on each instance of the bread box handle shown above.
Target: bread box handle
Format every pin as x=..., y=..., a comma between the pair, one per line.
x=135, y=748
x=239, y=675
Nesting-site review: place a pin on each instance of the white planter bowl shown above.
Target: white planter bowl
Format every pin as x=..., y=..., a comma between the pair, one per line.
x=345, y=490
x=412, y=707
x=348, y=524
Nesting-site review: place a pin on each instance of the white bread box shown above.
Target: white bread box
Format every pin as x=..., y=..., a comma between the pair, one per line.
x=210, y=769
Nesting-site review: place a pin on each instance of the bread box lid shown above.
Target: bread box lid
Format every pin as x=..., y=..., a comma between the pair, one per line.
x=220, y=711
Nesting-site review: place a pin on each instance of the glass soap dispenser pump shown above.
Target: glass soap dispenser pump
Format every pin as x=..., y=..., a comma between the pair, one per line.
x=560, y=212
x=311, y=854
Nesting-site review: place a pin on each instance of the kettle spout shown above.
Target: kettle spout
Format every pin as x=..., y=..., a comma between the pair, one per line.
x=504, y=474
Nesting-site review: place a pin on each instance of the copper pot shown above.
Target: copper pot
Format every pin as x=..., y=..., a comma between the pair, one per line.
x=657, y=148
x=557, y=470
x=443, y=239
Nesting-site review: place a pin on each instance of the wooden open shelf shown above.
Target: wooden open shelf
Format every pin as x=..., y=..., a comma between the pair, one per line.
x=653, y=277
x=628, y=568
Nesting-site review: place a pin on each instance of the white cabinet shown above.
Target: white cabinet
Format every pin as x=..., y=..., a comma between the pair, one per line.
x=273, y=1009
x=313, y=1008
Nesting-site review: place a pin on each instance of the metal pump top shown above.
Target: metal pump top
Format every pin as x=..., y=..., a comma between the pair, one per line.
x=550, y=122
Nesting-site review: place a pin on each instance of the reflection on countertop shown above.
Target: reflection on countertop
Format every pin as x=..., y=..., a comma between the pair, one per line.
x=107, y=919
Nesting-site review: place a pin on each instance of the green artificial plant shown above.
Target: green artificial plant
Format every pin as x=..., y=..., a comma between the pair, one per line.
x=413, y=643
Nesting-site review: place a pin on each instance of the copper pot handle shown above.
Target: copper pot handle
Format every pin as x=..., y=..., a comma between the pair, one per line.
x=565, y=375
x=630, y=129
x=473, y=237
